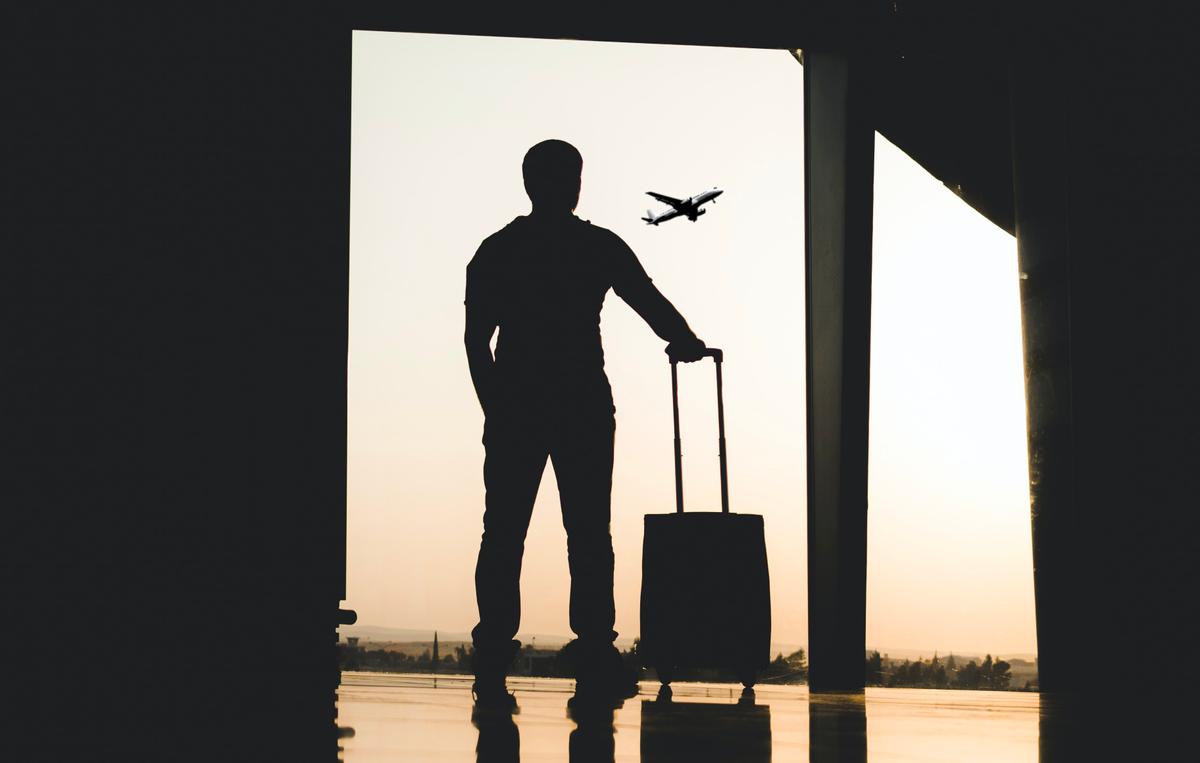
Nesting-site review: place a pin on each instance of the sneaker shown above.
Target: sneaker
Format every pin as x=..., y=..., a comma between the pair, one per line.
x=491, y=664
x=600, y=673
x=491, y=695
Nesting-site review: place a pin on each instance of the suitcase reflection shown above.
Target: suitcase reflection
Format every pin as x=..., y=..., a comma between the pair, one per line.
x=705, y=731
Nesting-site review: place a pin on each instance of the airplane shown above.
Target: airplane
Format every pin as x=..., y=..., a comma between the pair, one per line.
x=689, y=207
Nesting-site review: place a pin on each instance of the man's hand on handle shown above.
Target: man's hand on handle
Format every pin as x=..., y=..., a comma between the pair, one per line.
x=686, y=351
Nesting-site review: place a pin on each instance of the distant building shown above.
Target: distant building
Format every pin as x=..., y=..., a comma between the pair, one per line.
x=537, y=662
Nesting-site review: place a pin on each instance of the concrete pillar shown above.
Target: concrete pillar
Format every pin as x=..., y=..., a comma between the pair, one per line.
x=839, y=150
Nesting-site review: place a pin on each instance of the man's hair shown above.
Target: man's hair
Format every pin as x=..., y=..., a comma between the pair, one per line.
x=552, y=171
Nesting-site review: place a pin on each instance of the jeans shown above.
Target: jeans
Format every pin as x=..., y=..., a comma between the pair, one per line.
x=518, y=438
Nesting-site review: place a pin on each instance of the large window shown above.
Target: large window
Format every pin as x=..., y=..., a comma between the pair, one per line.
x=440, y=125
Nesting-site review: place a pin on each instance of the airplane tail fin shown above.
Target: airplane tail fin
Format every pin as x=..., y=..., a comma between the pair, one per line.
x=649, y=218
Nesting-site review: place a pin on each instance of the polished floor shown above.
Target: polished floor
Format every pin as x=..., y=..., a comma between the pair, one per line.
x=392, y=717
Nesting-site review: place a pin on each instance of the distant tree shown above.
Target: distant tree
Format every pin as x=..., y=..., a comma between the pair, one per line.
x=935, y=673
x=951, y=664
x=350, y=657
x=462, y=658
x=874, y=669
x=969, y=676
x=798, y=661
x=986, y=668
x=1001, y=675
x=916, y=673
x=776, y=668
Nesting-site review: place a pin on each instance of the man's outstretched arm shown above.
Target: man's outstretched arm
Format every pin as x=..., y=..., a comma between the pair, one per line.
x=635, y=287
x=480, y=325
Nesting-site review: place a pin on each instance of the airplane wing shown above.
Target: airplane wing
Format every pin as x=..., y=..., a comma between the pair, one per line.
x=665, y=199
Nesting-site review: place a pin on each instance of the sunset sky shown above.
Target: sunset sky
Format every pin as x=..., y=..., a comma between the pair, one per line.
x=440, y=125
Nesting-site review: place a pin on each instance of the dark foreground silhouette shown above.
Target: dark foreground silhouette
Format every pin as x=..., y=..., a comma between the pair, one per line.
x=542, y=280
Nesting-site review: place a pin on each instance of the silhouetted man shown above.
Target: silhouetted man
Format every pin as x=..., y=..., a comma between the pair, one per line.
x=542, y=280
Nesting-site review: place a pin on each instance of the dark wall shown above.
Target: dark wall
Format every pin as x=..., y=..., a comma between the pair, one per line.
x=174, y=400
x=1106, y=161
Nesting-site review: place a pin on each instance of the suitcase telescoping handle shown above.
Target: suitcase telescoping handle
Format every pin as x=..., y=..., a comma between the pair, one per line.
x=717, y=357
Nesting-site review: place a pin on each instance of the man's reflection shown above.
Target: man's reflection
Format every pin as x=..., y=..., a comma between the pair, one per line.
x=837, y=728
x=704, y=731
x=499, y=739
x=592, y=739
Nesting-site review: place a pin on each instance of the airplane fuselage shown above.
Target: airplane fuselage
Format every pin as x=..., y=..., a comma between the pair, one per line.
x=689, y=207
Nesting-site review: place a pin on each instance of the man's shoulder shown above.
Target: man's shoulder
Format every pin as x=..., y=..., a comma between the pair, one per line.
x=514, y=228
x=496, y=243
x=603, y=239
x=599, y=231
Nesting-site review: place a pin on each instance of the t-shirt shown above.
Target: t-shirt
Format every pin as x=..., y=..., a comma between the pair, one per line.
x=543, y=283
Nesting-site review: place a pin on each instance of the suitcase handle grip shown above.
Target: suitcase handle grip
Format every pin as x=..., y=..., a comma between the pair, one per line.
x=718, y=357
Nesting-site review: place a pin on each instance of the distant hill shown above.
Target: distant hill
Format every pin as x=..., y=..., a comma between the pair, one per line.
x=373, y=633
x=395, y=637
x=962, y=656
x=380, y=633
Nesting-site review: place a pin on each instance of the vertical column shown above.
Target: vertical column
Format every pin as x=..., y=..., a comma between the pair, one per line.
x=1040, y=192
x=839, y=156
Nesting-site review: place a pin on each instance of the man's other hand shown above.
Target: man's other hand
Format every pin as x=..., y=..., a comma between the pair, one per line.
x=686, y=351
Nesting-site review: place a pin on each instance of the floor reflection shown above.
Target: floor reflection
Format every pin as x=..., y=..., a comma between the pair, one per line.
x=499, y=738
x=1116, y=727
x=592, y=739
x=837, y=728
x=674, y=732
x=399, y=718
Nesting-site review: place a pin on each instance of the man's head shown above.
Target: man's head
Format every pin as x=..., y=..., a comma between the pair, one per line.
x=552, y=171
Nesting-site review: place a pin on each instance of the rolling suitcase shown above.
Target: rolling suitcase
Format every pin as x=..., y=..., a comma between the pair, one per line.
x=706, y=600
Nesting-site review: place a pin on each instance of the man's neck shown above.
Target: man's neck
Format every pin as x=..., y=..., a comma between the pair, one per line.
x=551, y=215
